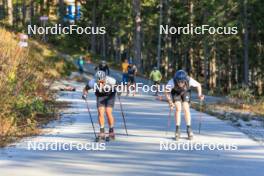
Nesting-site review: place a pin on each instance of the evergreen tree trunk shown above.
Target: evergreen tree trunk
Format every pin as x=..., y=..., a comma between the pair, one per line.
x=159, y=39
x=213, y=66
x=206, y=70
x=42, y=7
x=137, y=37
x=93, y=39
x=191, y=14
x=230, y=68
x=32, y=9
x=103, y=47
x=168, y=41
x=61, y=11
x=3, y=10
x=24, y=12
x=246, y=67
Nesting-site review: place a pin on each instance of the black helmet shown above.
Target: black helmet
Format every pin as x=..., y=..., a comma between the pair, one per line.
x=130, y=62
x=180, y=75
x=103, y=63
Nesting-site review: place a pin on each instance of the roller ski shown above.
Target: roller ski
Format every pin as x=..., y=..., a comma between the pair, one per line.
x=101, y=136
x=111, y=135
x=189, y=133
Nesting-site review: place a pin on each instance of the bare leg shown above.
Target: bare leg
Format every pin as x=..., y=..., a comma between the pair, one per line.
x=128, y=88
x=178, y=113
x=178, y=120
x=101, y=111
x=187, y=113
x=101, y=135
x=111, y=121
x=134, y=89
x=186, y=108
x=110, y=117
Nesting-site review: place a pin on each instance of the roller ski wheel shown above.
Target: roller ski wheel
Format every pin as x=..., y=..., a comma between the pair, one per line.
x=100, y=139
x=177, y=136
x=101, y=136
x=177, y=133
x=190, y=134
x=108, y=139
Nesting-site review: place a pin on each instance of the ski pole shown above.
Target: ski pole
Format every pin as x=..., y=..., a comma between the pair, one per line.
x=169, y=122
x=123, y=115
x=200, y=118
x=87, y=105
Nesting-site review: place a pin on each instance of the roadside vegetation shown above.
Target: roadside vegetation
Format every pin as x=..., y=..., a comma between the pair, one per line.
x=26, y=75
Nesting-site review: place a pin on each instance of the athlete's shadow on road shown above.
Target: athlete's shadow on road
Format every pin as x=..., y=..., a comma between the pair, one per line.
x=134, y=158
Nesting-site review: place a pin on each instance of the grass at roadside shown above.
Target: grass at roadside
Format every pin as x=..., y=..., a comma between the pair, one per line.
x=26, y=74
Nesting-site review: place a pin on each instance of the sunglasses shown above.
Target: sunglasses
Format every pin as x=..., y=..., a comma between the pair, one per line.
x=180, y=82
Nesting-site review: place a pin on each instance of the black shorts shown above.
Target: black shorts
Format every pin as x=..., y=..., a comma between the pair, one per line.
x=131, y=79
x=183, y=97
x=106, y=101
x=156, y=82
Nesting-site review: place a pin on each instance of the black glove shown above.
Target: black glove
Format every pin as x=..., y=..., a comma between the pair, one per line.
x=84, y=97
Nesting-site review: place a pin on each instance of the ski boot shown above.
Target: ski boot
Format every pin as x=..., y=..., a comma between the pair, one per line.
x=189, y=133
x=101, y=135
x=177, y=133
x=111, y=135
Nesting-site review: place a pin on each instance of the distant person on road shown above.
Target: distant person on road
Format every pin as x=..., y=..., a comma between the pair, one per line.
x=131, y=71
x=80, y=64
x=124, y=71
x=105, y=99
x=103, y=67
x=179, y=89
x=88, y=59
x=156, y=77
